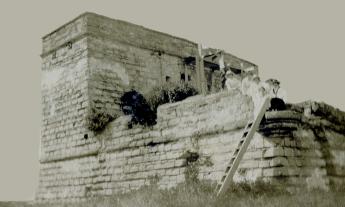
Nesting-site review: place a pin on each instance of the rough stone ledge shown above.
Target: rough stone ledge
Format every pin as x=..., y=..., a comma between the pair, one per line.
x=72, y=40
x=128, y=146
x=283, y=115
x=49, y=159
x=318, y=114
x=280, y=123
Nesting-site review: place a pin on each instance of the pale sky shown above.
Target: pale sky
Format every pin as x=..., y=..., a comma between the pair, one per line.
x=301, y=43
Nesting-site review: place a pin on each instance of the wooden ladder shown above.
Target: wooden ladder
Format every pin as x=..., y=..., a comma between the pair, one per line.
x=242, y=147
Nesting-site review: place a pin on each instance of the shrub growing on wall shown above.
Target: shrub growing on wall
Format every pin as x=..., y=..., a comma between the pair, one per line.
x=144, y=111
x=134, y=104
x=98, y=118
x=169, y=93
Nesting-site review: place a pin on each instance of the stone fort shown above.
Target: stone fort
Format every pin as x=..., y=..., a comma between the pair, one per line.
x=92, y=60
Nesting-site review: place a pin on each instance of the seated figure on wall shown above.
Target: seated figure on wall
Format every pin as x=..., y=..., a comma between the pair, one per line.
x=277, y=94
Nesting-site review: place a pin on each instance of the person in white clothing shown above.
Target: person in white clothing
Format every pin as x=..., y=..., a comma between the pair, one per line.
x=246, y=82
x=277, y=94
x=257, y=92
x=233, y=81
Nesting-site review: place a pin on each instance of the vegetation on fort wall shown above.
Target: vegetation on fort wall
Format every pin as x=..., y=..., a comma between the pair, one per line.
x=143, y=110
x=134, y=104
x=169, y=92
x=98, y=118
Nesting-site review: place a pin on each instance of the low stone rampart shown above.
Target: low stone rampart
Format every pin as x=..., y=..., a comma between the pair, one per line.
x=194, y=139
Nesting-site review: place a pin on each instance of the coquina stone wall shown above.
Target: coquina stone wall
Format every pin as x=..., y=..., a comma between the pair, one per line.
x=194, y=139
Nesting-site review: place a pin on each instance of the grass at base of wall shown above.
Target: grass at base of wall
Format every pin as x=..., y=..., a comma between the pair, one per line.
x=202, y=195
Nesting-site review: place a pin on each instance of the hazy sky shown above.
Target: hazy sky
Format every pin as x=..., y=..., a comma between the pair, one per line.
x=301, y=43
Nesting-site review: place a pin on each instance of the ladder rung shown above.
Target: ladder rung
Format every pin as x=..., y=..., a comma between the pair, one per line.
x=227, y=169
x=250, y=124
x=223, y=178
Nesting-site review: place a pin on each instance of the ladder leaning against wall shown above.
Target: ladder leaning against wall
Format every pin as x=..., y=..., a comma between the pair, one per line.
x=242, y=147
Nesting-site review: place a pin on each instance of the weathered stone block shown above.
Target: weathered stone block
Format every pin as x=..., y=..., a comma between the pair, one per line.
x=264, y=163
x=273, y=152
x=289, y=152
x=276, y=171
x=249, y=164
x=278, y=162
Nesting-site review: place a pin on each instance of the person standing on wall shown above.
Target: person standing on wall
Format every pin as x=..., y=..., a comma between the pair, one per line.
x=233, y=81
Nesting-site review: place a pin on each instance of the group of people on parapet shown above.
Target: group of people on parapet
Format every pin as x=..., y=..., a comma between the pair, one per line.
x=249, y=83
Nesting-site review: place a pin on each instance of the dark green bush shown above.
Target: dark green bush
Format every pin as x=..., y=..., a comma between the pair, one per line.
x=134, y=104
x=144, y=111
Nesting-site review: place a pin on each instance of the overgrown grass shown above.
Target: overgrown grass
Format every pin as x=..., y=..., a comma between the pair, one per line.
x=169, y=92
x=202, y=195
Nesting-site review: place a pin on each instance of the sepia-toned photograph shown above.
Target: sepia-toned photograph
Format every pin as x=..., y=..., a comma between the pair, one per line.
x=172, y=103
